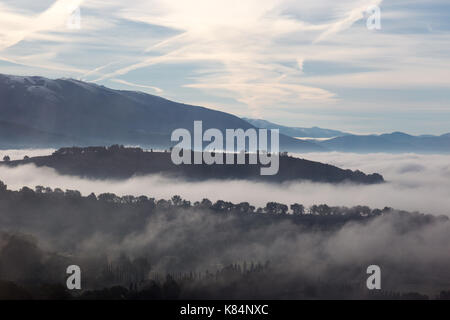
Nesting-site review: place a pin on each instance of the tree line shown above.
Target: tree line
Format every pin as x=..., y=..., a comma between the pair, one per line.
x=222, y=206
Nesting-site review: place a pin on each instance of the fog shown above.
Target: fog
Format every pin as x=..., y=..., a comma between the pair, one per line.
x=414, y=182
x=413, y=257
x=412, y=250
x=18, y=154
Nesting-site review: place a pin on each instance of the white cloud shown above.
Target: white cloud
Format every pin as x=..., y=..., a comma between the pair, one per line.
x=414, y=182
x=127, y=83
x=243, y=39
x=255, y=54
x=15, y=27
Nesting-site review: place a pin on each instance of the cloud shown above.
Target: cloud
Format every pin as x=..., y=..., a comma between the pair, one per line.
x=18, y=154
x=354, y=14
x=411, y=250
x=241, y=38
x=16, y=27
x=414, y=183
x=267, y=58
x=156, y=89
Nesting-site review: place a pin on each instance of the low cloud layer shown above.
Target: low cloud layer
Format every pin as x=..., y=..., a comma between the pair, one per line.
x=414, y=183
x=412, y=250
x=18, y=154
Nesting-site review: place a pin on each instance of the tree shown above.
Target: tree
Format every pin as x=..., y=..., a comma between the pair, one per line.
x=27, y=192
x=323, y=210
x=109, y=197
x=206, y=203
x=128, y=199
x=297, y=209
x=282, y=208
x=3, y=186
x=177, y=201
x=39, y=189
x=244, y=207
x=186, y=204
x=276, y=208
x=221, y=205
x=6, y=158
x=163, y=204
x=92, y=197
x=313, y=209
x=363, y=210
x=73, y=194
x=58, y=191
x=271, y=207
x=142, y=199
x=376, y=212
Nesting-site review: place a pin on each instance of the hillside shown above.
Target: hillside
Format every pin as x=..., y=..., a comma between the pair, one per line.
x=95, y=115
x=19, y=136
x=120, y=163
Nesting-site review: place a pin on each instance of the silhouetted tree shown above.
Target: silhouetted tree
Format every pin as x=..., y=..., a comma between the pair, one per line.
x=177, y=201
x=3, y=186
x=276, y=208
x=323, y=210
x=297, y=209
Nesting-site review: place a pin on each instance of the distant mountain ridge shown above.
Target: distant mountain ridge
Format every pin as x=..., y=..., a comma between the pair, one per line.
x=340, y=141
x=296, y=132
x=80, y=113
x=37, y=112
x=395, y=142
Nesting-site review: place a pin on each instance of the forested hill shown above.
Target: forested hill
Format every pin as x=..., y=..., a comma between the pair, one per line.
x=163, y=248
x=119, y=162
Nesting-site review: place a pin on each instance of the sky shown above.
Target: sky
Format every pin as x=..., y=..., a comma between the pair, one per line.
x=297, y=63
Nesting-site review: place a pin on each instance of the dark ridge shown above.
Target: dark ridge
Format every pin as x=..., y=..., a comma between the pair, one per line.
x=118, y=162
x=30, y=270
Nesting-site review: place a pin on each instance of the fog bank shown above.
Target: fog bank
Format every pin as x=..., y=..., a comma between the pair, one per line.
x=414, y=182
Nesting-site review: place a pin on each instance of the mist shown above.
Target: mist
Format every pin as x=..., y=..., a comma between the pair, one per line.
x=18, y=154
x=411, y=248
x=413, y=182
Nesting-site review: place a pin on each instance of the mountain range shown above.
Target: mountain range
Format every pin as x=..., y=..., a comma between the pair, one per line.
x=296, y=132
x=395, y=142
x=40, y=112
